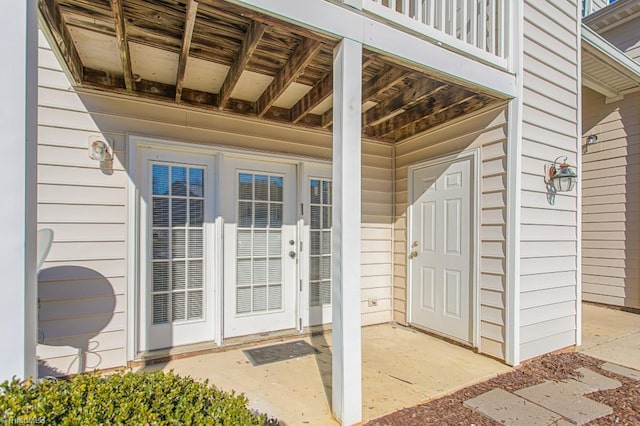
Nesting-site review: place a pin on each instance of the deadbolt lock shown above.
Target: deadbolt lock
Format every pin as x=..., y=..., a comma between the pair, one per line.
x=414, y=244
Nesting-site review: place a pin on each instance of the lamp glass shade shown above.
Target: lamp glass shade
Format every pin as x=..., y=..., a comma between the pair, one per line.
x=565, y=178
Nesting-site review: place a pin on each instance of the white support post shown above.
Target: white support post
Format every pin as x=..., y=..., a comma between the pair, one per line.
x=347, y=364
x=18, y=149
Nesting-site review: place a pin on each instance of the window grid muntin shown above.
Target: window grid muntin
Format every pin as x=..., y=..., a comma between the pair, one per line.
x=266, y=295
x=320, y=205
x=178, y=302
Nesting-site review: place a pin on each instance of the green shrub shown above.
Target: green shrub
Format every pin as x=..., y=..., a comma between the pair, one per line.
x=124, y=398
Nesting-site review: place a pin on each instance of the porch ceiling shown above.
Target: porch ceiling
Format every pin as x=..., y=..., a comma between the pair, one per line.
x=219, y=57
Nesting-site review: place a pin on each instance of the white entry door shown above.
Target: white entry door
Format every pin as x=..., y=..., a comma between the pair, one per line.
x=440, y=248
x=316, y=193
x=176, y=230
x=260, y=246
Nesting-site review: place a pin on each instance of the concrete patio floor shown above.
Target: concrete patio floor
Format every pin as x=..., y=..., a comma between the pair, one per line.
x=401, y=367
x=611, y=335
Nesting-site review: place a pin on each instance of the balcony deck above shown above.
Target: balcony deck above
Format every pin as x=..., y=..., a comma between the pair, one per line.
x=472, y=27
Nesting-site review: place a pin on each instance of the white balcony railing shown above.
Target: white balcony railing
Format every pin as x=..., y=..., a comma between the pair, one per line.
x=475, y=27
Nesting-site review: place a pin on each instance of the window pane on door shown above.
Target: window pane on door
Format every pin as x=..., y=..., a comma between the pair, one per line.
x=259, y=243
x=177, y=243
x=320, y=242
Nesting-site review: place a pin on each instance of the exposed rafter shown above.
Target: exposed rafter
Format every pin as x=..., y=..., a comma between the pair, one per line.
x=420, y=89
x=58, y=28
x=189, y=23
x=388, y=77
x=466, y=106
x=313, y=98
x=434, y=104
x=123, y=44
x=254, y=34
x=307, y=50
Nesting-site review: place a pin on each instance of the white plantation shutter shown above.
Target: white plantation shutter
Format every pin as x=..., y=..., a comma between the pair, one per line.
x=177, y=243
x=259, y=243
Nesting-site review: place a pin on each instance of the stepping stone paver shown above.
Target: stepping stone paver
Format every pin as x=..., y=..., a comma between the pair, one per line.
x=550, y=403
x=509, y=409
x=596, y=381
x=627, y=372
x=566, y=398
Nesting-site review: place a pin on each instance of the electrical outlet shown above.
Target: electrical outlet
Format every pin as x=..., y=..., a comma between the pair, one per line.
x=373, y=302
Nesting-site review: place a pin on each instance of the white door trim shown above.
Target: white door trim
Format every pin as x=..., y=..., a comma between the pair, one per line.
x=474, y=155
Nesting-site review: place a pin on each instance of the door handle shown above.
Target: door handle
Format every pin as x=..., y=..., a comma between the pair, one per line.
x=292, y=254
x=413, y=254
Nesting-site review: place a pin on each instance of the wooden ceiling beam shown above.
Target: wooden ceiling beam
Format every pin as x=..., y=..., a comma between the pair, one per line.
x=303, y=55
x=473, y=103
x=440, y=101
x=388, y=77
x=189, y=23
x=420, y=89
x=57, y=26
x=145, y=89
x=254, y=34
x=327, y=119
x=313, y=98
x=270, y=21
x=123, y=44
x=385, y=79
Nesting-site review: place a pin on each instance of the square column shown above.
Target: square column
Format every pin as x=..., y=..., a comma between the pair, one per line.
x=18, y=149
x=347, y=348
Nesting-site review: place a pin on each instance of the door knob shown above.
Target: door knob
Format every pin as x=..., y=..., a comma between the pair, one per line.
x=292, y=254
x=413, y=254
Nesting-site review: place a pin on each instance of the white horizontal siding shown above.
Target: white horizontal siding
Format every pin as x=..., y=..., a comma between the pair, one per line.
x=548, y=231
x=611, y=206
x=83, y=283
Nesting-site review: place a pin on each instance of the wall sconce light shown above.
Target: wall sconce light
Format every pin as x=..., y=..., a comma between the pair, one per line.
x=560, y=175
x=591, y=139
x=99, y=149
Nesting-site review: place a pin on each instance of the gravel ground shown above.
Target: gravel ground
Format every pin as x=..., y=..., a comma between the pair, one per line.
x=449, y=410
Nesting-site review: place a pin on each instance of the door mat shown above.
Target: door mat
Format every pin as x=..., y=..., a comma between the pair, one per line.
x=280, y=352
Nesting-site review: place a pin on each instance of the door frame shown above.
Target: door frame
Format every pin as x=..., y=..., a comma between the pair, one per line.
x=474, y=156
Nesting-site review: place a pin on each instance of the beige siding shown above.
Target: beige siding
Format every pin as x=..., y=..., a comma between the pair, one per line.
x=625, y=37
x=548, y=232
x=487, y=132
x=598, y=4
x=611, y=204
x=83, y=287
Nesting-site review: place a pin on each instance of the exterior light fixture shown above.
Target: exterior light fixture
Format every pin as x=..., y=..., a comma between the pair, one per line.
x=591, y=139
x=99, y=149
x=560, y=175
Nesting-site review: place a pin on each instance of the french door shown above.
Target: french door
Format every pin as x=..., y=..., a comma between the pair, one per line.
x=176, y=229
x=260, y=246
x=231, y=246
x=316, y=193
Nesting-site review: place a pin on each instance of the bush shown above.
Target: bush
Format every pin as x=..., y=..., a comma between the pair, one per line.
x=124, y=398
